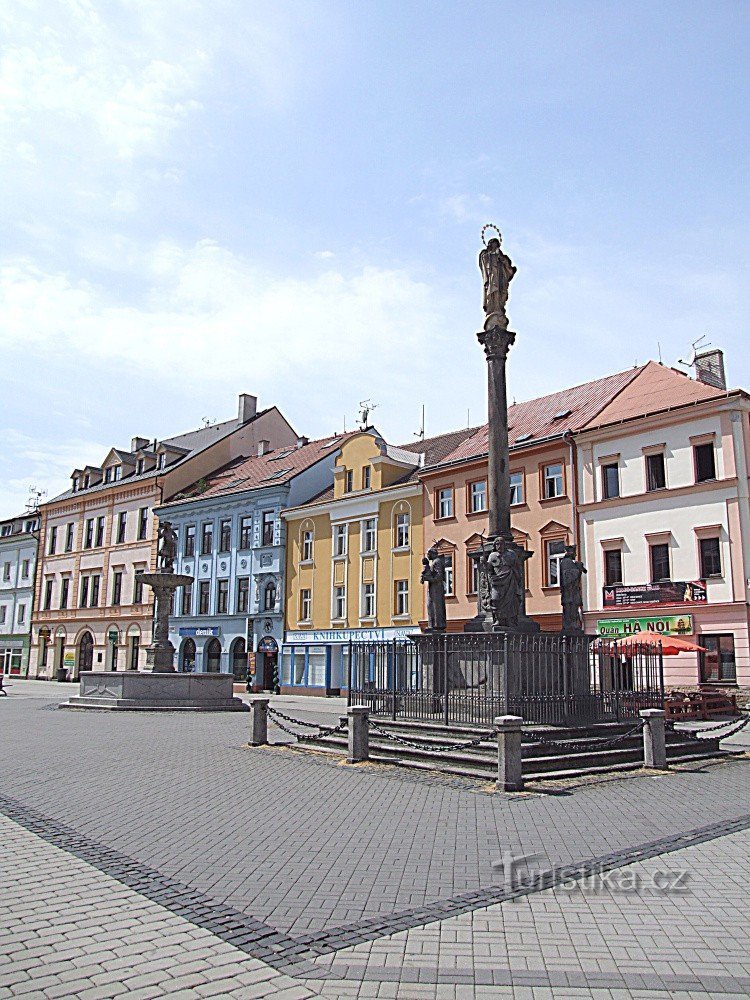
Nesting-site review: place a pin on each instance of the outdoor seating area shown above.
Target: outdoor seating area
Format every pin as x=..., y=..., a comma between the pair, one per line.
x=706, y=704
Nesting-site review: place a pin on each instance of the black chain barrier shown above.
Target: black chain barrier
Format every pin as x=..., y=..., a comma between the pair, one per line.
x=431, y=747
x=590, y=744
x=712, y=731
x=322, y=731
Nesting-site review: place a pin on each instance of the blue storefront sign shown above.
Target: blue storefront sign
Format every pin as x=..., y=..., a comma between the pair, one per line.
x=213, y=630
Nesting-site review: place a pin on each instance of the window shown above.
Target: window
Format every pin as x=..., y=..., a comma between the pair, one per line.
x=445, y=502
x=3, y=613
x=660, y=563
x=402, y=597
x=162, y=461
x=448, y=560
x=122, y=524
x=718, y=662
x=187, y=599
x=117, y=473
x=69, y=535
x=188, y=548
x=366, y=476
x=612, y=567
x=52, y=541
x=89, y=536
x=6, y=572
x=117, y=587
x=204, y=594
x=64, y=592
x=555, y=552
x=656, y=478
x=269, y=596
x=140, y=465
x=107, y=475
x=87, y=481
x=339, y=539
x=207, y=539
x=225, y=535
x=75, y=484
x=705, y=463
x=553, y=481
x=369, y=534
x=243, y=594
x=99, y=532
x=48, y=594
x=94, y=592
x=307, y=546
x=305, y=605
x=25, y=569
x=138, y=587
x=473, y=574
x=21, y=617
x=516, y=489
x=142, y=523
x=710, y=553
x=246, y=532
x=339, y=602
x=135, y=649
x=402, y=531
x=610, y=481
x=368, y=600
x=477, y=497
x=348, y=481
x=269, y=521
x=222, y=597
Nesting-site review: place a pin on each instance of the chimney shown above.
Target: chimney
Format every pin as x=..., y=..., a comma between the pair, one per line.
x=248, y=407
x=263, y=447
x=302, y=441
x=709, y=368
x=137, y=443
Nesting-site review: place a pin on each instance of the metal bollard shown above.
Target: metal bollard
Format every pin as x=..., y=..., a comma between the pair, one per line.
x=509, y=769
x=259, y=708
x=359, y=733
x=654, y=743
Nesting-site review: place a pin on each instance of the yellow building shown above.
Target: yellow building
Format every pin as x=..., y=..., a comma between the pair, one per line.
x=354, y=559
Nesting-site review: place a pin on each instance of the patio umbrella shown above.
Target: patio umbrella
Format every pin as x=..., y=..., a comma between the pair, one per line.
x=671, y=645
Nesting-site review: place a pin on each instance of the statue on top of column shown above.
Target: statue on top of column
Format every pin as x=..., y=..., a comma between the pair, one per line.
x=497, y=273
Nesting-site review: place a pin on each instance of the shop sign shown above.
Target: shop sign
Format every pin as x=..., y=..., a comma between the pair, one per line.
x=69, y=660
x=342, y=635
x=625, y=628
x=197, y=632
x=251, y=664
x=267, y=644
x=620, y=595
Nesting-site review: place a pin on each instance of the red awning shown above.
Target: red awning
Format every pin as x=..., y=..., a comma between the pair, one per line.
x=671, y=645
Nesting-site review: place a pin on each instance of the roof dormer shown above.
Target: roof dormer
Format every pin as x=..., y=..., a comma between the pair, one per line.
x=168, y=454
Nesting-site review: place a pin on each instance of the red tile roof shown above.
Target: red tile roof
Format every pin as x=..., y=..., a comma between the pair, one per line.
x=548, y=416
x=260, y=471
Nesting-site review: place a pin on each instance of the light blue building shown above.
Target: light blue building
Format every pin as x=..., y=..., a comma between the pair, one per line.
x=231, y=540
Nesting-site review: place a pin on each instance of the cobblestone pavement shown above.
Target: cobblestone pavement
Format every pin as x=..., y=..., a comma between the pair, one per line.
x=160, y=843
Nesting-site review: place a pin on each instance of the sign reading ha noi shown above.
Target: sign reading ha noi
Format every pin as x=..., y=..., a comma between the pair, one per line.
x=626, y=628
x=621, y=595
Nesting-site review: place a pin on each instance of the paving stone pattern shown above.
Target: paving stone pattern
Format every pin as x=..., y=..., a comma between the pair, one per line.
x=322, y=879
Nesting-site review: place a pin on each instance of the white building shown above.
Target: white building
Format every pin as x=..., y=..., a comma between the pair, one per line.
x=18, y=548
x=665, y=522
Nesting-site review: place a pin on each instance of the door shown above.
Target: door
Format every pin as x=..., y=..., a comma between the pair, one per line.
x=213, y=657
x=239, y=661
x=188, y=656
x=86, y=658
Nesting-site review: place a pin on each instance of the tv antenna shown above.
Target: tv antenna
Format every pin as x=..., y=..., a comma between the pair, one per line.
x=696, y=346
x=420, y=433
x=208, y=421
x=366, y=406
x=35, y=496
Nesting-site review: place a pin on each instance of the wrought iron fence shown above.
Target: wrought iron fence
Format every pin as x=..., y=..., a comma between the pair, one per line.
x=471, y=678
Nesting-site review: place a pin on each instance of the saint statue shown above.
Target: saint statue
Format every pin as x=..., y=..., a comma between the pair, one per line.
x=433, y=574
x=571, y=575
x=505, y=572
x=167, y=547
x=497, y=273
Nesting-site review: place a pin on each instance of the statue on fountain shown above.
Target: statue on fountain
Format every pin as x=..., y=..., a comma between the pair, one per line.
x=167, y=552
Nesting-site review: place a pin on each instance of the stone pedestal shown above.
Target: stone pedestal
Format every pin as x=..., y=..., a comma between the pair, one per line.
x=156, y=692
x=160, y=654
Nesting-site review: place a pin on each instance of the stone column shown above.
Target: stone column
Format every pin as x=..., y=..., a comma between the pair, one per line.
x=359, y=733
x=496, y=343
x=654, y=740
x=509, y=768
x=160, y=654
x=259, y=725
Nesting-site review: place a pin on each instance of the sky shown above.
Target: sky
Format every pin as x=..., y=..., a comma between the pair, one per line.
x=207, y=198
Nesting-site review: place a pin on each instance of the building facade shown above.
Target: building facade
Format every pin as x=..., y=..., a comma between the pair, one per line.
x=18, y=552
x=665, y=522
x=91, y=610
x=543, y=497
x=354, y=559
x=231, y=540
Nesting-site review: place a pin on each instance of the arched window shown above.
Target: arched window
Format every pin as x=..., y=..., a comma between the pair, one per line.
x=239, y=660
x=87, y=652
x=213, y=657
x=269, y=596
x=188, y=656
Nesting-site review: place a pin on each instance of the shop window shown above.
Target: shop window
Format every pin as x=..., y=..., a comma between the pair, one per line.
x=717, y=663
